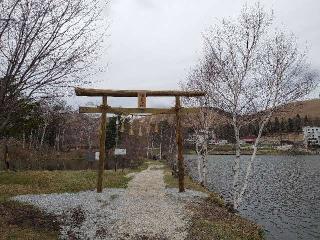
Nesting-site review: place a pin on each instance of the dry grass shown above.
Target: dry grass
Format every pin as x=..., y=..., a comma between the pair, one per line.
x=311, y=108
x=213, y=221
x=19, y=221
x=172, y=182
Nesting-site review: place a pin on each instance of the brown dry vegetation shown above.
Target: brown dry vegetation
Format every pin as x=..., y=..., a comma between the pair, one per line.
x=19, y=221
x=212, y=220
x=172, y=182
x=311, y=108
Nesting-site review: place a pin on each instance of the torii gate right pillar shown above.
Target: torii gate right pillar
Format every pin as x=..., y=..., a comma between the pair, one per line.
x=179, y=145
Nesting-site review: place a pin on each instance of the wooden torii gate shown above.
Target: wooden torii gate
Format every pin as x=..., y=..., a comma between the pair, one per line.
x=142, y=95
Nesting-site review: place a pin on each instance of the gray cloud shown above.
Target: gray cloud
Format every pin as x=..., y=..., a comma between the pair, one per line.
x=153, y=43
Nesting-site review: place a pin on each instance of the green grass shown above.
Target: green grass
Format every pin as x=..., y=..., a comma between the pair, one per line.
x=38, y=182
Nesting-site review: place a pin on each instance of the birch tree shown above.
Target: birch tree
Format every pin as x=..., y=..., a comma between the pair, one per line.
x=248, y=70
x=227, y=66
x=202, y=124
x=201, y=121
x=282, y=76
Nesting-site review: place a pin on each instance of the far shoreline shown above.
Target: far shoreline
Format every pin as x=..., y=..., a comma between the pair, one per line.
x=275, y=153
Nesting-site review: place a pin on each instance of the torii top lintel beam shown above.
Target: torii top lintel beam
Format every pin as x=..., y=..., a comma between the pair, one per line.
x=93, y=92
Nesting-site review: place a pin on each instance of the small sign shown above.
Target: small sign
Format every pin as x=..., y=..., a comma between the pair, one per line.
x=120, y=151
x=142, y=100
x=97, y=154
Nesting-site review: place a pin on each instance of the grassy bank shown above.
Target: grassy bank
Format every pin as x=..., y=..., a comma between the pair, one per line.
x=20, y=221
x=212, y=220
x=39, y=182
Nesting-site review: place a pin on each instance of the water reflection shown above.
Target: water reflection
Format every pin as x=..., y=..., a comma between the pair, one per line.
x=283, y=193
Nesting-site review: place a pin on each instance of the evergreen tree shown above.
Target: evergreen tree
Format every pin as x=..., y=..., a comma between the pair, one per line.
x=276, y=125
x=297, y=123
x=283, y=125
x=111, y=133
x=269, y=127
x=290, y=125
x=306, y=121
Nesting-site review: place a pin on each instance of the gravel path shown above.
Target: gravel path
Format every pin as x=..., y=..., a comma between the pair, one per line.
x=149, y=212
x=145, y=210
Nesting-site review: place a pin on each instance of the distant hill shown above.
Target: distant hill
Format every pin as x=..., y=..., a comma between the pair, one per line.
x=311, y=108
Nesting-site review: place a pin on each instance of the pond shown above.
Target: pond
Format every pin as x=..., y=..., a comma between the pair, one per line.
x=283, y=193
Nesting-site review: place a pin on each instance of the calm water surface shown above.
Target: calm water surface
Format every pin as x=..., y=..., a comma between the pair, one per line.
x=283, y=194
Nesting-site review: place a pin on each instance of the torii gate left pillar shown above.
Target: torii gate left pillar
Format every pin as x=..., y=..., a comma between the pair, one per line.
x=141, y=94
x=102, y=144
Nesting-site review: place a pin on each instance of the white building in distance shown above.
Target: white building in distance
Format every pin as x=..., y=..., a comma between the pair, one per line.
x=311, y=136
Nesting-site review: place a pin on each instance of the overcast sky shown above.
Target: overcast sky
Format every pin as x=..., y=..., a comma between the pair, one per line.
x=152, y=44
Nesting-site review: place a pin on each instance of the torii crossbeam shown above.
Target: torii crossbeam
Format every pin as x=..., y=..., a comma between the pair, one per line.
x=141, y=95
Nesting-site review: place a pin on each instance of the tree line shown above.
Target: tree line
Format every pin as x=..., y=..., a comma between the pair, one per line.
x=282, y=125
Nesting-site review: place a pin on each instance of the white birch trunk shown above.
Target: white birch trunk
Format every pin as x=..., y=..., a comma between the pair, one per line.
x=200, y=164
x=23, y=139
x=236, y=167
x=250, y=164
x=58, y=141
x=30, y=139
x=43, y=134
x=89, y=142
x=204, y=156
x=204, y=167
x=63, y=138
x=171, y=143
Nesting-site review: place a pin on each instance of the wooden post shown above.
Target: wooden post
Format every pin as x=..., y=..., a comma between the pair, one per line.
x=180, y=147
x=102, y=148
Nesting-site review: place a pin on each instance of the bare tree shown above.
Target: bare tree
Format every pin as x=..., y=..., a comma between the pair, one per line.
x=44, y=46
x=201, y=121
x=282, y=76
x=248, y=71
